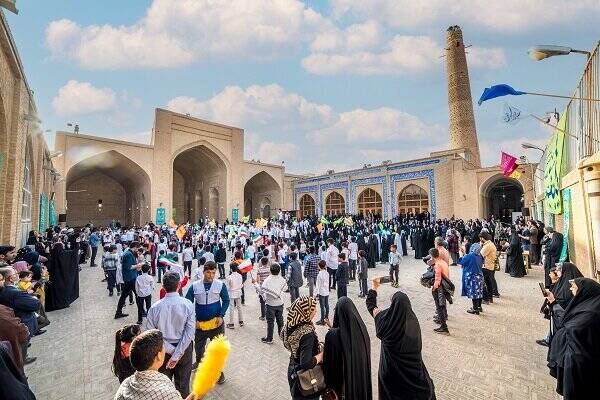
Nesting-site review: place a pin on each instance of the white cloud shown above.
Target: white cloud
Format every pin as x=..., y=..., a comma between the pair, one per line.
x=77, y=98
x=399, y=55
x=481, y=57
x=257, y=106
x=505, y=16
x=269, y=151
x=376, y=126
x=490, y=149
x=178, y=33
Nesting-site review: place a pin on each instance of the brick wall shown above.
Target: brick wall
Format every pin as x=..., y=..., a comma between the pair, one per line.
x=83, y=205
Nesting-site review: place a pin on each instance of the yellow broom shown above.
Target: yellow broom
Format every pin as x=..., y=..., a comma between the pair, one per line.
x=212, y=365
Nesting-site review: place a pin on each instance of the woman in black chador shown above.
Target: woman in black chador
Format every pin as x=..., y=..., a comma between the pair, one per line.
x=515, y=266
x=574, y=358
x=347, y=354
x=402, y=373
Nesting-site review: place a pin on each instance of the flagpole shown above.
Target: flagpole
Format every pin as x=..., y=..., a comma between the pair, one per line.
x=554, y=126
x=561, y=97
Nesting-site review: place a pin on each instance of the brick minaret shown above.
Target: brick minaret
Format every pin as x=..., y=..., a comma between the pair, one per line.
x=463, y=133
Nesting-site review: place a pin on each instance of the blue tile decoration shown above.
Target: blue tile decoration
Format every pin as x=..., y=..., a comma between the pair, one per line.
x=335, y=185
x=415, y=164
x=426, y=173
x=371, y=170
x=365, y=182
x=389, y=199
x=307, y=189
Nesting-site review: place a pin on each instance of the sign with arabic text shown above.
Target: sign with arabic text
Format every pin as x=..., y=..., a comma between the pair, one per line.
x=553, y=168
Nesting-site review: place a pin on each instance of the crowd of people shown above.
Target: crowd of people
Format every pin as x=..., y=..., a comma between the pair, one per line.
x=277, y=258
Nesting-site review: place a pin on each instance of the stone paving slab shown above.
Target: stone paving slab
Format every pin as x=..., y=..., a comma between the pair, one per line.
x=491, y=356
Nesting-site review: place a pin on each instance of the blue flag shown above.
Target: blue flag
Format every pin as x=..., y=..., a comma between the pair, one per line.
x=498, y=91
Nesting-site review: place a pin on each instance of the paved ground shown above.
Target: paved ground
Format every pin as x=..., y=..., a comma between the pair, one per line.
x=491, y=356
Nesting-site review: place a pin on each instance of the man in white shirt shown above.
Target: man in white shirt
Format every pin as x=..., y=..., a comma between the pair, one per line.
x=271, y=290
x=353, y=257
x=332, y=261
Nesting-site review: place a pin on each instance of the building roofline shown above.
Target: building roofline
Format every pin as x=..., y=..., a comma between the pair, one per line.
x=346, y=171
x=13, y=47
x=197, y=119
x=265, y=164
x=104, y=139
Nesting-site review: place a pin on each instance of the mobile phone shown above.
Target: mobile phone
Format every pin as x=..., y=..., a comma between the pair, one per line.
x=543, y=289
x=384, y=279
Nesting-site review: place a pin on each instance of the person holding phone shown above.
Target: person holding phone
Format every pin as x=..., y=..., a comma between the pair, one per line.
x=557, y=298
x=402, y=372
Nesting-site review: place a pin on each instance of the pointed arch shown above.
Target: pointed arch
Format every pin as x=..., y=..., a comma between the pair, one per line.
x=413, y=199
x=116, y=180
x=369, y=202
x=262, y=194
x=307, y=205
x=335, y=204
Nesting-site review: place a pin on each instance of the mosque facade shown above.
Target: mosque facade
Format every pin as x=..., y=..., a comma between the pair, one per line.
x=195, y=169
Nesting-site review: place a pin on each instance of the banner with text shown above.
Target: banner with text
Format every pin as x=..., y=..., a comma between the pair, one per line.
x=553, y=167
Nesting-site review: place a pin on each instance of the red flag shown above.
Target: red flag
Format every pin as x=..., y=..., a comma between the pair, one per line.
x=508, y=164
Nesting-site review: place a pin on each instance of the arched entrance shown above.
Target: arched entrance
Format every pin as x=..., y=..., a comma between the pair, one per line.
x=107, y=188
x=370, y=203
x=199, y=185
x=306, y=206
x=335, y=204
x=262, y=194
x=413, y=200
x=501, y=197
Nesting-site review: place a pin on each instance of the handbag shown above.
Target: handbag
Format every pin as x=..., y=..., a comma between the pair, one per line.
x=311, y=381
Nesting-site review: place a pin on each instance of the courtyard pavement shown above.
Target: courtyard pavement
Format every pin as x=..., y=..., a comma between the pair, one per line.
x=491, y=356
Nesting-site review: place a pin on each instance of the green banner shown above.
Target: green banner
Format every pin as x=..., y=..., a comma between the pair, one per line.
x=553, y=167
x=235, y=215
x=566, y=195
x=51, y=213
x=161, y=216
x=43, y=212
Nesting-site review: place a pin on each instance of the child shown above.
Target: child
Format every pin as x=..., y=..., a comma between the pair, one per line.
x=110, y=261
x=121, y=366
x=144, y=286
x=395, y=258
x=322, y=291
x=341, y=276
x=187, y=256
x=25, y=284
x=234, y=285
x=173, y=266
x=294, y=277
x=362, y=270
x=161, y=267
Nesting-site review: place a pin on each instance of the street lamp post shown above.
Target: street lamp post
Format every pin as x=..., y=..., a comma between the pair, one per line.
x=542, y=52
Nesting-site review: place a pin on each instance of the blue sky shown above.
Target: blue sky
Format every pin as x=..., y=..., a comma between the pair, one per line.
x=317, y=84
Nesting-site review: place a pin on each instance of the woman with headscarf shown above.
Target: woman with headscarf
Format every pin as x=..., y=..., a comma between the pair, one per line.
x=402, y=373
x=300, y=339
x=515, y=266
x=347, y=354
x=472, y=277
x=558, y=297
x=574, y=357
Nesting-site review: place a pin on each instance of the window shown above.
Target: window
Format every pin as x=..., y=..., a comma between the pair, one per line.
x=413, y=199
x=26, y=197
x=369, y=202
x=335, y=204
x=307, y=205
